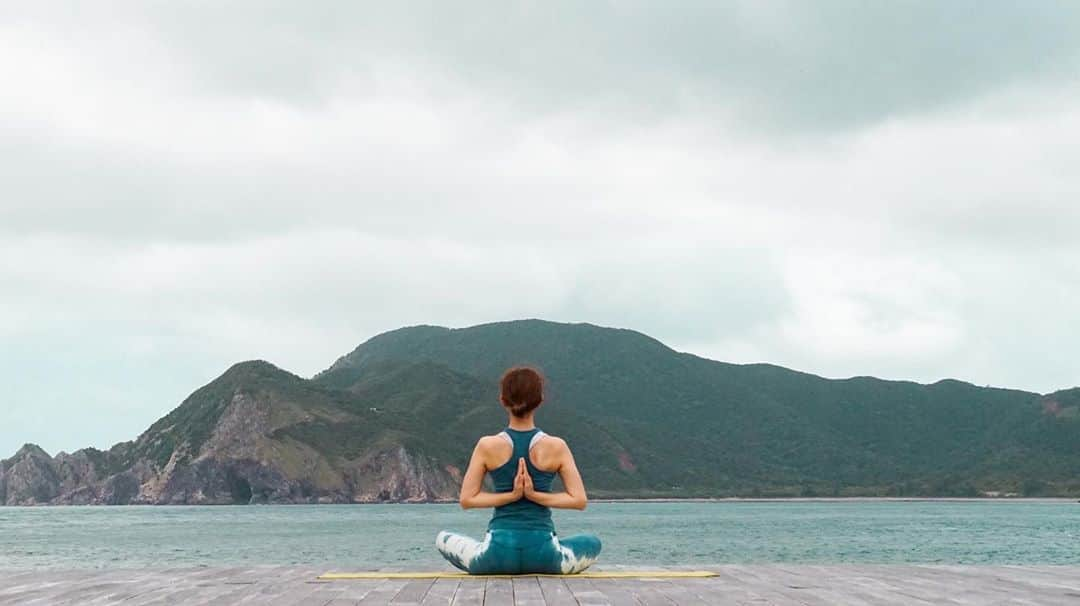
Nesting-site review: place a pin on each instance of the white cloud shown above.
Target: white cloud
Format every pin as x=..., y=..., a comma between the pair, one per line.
x=173, y=203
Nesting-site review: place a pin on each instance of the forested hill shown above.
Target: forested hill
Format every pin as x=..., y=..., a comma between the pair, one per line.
x=681, y=424
x=395, y=420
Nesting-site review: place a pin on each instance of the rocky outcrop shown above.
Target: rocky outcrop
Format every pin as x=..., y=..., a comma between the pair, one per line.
x=235, y=447
x=399, y=476
x=396, y=475
x=30, y=477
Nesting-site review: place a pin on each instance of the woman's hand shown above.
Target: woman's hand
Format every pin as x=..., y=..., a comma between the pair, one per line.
x=473, y=495
x=520, y=480
x=526, y=480
x=573, y=494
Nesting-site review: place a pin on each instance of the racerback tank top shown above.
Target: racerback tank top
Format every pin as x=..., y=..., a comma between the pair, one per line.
x=522, y=514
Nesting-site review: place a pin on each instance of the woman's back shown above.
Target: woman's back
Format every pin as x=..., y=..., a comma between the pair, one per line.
x=522, y=514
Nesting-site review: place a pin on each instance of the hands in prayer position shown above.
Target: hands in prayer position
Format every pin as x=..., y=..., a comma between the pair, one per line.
x=523, y=484
x=490, y=453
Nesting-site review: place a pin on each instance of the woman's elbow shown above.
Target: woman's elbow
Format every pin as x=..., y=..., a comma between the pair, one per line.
x=465, y=502
x=580, y=503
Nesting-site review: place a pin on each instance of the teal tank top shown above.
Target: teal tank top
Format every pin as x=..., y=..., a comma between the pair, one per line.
x=522, y=514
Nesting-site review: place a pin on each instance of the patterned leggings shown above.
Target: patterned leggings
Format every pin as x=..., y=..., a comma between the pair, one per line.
x=519, y=552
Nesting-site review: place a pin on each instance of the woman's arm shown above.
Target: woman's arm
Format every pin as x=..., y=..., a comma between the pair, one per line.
x=573, y=495
x=472, y=493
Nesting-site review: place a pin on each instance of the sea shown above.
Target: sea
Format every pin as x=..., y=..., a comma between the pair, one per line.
x=633, y=533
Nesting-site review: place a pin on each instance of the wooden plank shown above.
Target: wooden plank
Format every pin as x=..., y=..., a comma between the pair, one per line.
x=893, y=581
x=229, y=595
x=646, y=592
x=46, y=586
x=441, y=593
x=291, y=594
x=882, y=592
x=86, y=591
x=615, y=591
x=555, y=592
x=682, y=594
x=384, y=592
x=934, y=581
x=584, y=592
x=527, y=592
x=135, y=594
x=413, y=593
x=757, y=586
x=499, y=592
x=358, y=590
x=822, y=584
x=14, y=578
x=470, y=592
x=1054, y=579
x=936, y=584
x=971, y=585
x=719, y=593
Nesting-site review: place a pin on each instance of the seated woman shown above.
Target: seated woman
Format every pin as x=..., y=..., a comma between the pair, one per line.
x=522, y=461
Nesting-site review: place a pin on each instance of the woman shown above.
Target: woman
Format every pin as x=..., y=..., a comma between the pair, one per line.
x=522, y=461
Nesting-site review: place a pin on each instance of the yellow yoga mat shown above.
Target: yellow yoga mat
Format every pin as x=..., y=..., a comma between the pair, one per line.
x=611, y=574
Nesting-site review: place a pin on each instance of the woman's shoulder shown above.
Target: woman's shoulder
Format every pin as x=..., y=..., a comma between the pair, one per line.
x=494, y=441
x=492, y=450
x=552, y=443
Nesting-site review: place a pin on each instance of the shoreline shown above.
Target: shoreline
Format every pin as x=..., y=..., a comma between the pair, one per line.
x=602, y=500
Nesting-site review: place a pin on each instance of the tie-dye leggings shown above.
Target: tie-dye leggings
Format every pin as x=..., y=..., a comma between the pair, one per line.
x=519, y=552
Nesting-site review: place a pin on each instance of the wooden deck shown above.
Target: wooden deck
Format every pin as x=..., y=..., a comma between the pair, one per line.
x=756, y=584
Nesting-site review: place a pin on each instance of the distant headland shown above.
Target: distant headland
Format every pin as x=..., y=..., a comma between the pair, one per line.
x=395, y=419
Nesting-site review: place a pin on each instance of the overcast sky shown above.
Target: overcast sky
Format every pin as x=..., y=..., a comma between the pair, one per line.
x=845, y=188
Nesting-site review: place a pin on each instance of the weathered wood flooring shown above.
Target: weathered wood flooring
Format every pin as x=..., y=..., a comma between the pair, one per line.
x=751, y=584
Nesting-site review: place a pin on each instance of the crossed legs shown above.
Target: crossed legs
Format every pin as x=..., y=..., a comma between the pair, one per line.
x=519, y=552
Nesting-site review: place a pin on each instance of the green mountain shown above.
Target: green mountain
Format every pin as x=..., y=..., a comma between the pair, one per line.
x=395, y=420
x=684, y=425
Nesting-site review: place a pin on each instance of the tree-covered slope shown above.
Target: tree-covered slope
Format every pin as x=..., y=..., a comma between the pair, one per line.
x=688, y=425
x=396, y=419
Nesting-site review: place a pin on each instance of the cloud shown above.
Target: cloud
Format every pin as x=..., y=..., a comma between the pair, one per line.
x=853, y=189
x=779, y=64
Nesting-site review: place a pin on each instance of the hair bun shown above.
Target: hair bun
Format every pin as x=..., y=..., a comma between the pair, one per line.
x=521, y=390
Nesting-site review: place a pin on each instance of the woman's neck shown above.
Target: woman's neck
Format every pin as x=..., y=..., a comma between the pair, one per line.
x=522, y=423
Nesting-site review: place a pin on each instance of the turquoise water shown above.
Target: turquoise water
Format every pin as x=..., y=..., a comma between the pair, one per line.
x=370, y=536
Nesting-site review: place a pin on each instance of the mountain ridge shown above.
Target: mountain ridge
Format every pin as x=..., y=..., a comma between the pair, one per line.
x=395, y=419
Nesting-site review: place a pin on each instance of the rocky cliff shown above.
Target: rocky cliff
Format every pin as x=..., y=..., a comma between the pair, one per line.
x=244, y=438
